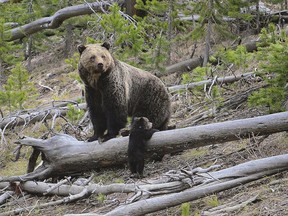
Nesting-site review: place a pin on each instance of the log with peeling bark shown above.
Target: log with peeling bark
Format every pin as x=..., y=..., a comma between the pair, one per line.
x=229, y=178
x=64, y=155
x=35, y=116
x=148, y=196
x=219, y=80
x=54, y=21
x=32, y=116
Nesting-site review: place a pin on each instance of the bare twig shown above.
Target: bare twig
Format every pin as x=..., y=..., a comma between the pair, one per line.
x=66, y=180
x=6, y=196
x=68, y=199
x=228, y=208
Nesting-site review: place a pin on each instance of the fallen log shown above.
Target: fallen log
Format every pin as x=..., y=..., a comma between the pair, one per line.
x=220, y=80
x=64, y=155
x=55, y=20
x=229, y=104
x=190, y=64
x=35, y=116
x=236, y=176
x=194, y=184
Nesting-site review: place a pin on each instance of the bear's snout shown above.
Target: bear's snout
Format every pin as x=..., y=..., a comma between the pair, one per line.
x=100, y=66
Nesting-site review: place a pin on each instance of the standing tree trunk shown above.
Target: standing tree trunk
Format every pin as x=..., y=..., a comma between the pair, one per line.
x=130, y=7
x=68, y=37
x=68, y=41
x=29, y=44
x=208, y=34
x=170, y=27
x=131, y=10
x=257, y=17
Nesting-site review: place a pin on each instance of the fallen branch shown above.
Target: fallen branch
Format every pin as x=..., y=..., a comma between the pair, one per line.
x=231, y=103
x=172, y=182
x=6, y=196
x=220, y=80
x=228, y=208
x=68, y=199
x=54, y=21
x=64, y=155
x=219, y=181
x=35, y=116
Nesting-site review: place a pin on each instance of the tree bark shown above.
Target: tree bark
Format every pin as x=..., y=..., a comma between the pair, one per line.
x=64, y=155
x=130, y=7
x=208, y=34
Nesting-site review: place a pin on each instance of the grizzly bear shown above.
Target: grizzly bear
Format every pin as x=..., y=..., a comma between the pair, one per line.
x=115, y=90
x=141, y=131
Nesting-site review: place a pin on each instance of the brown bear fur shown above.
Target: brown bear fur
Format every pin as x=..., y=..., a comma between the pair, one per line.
x=141, y=131
x=115, y=90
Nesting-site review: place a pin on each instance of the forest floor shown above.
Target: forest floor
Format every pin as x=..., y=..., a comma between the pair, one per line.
x=271, y=191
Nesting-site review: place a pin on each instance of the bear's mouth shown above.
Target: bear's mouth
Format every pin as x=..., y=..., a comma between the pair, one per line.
x=98, y=71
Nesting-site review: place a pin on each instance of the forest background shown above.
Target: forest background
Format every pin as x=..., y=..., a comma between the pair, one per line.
x=40, y=69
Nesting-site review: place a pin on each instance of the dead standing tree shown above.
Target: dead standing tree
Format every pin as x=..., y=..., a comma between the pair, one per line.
x=64, y=155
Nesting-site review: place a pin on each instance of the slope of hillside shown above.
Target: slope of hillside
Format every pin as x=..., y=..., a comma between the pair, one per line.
x=56, y=81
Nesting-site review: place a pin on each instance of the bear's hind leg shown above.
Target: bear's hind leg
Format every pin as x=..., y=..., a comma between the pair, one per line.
x=115, y=124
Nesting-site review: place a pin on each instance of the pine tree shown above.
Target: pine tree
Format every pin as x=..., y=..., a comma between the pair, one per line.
x=212, y=14
x=123, y=33
x=17, y=89
x=160, y=26
x=273, y=60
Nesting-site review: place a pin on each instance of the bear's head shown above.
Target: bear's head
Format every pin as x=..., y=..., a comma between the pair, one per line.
x=141, y=123
x=95, y=58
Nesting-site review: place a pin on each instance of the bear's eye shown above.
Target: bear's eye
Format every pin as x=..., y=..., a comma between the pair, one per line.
x=92, y=58
x=103, y=57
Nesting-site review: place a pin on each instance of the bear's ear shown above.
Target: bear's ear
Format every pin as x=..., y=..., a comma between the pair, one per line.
x=106, y=45
x=81, y=48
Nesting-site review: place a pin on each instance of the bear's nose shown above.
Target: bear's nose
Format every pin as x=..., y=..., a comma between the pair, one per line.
x=100, y=65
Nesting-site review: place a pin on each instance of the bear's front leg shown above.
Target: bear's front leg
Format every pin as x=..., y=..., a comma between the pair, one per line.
x=96, y=113
x=99, y=123
x=116, y=120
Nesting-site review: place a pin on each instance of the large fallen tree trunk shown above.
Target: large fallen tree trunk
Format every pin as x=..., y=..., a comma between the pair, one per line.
x=200, y=182
x=234, y=177
x=54, y=21
x=64, y=155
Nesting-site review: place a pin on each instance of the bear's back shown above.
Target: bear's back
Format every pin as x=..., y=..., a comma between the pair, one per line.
x=147, y=95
